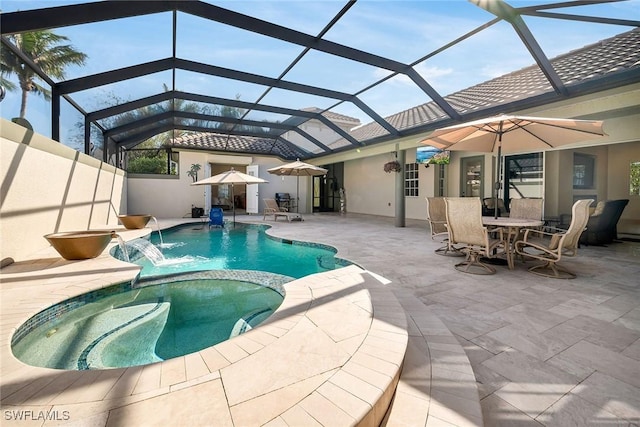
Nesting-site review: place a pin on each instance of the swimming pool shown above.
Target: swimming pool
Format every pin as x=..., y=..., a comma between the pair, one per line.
x=152, y=320
x=192, y=247
x=197, y=287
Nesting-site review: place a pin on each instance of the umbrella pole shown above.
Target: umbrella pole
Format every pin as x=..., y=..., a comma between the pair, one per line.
x=297, y=193
x=498, y=182
x=233, y=205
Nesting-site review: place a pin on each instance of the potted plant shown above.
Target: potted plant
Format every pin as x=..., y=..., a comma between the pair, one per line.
x=392, y=166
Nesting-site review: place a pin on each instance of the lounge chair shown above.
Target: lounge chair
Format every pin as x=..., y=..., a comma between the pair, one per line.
x=271, y=208
x=602, y=224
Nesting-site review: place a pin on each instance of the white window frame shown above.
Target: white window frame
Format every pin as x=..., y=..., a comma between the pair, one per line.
x=411, y=181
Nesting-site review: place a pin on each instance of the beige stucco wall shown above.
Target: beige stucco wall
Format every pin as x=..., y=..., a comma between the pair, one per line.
x=614, y=152
x=47, y=187
x=173, y=196
x=371, y=190
x=368, y=187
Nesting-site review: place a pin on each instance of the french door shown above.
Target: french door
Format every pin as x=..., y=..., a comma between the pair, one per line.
x=471, y=181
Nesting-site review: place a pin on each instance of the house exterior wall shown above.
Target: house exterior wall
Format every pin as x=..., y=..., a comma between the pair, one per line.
x=48, y=187
x=368, y=188
x=371, y=190
x=79, y=192
x=173, y=196
x=614, y=153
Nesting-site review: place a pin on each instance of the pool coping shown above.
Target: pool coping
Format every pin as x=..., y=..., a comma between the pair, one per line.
x=331, y=354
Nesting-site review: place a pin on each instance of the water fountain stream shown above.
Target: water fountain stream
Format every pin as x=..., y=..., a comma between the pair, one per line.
x=122, y=245
x=158, y=228
x=148, y=250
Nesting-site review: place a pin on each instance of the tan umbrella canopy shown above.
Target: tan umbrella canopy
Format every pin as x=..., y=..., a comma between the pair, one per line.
x=506, y=134
x=298, y=169
x=231, y=177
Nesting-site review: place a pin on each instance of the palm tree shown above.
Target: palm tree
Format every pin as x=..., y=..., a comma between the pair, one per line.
x=44, y=48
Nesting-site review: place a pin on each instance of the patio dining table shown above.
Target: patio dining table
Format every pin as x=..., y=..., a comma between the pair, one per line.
x=513, y=227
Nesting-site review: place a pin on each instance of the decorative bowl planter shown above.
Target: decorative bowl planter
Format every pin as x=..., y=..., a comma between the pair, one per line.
x=76, y=245
x=134, y=222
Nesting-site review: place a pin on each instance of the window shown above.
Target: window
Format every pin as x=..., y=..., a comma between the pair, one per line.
x=157, y=161
x=441, y=180
x=411, y=179
x=583, y=167
x=634, y=179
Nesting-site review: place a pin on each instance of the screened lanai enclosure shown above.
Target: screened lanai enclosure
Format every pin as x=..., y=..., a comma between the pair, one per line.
x=244, y=76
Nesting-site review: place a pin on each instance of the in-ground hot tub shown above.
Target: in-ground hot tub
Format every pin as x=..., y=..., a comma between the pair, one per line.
x=156, y=319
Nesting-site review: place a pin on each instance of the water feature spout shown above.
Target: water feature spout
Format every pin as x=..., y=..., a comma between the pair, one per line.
x=148, y=250
x=122, y=245
x=158, y=228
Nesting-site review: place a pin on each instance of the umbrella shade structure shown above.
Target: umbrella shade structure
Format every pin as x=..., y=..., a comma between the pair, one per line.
x=231, y=177
x=298, y=169
x=506, y=134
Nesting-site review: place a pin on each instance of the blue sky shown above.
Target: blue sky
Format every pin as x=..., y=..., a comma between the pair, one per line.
x=401, y=30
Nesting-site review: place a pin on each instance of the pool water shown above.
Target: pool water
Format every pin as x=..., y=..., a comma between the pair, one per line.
x=197, y=287
x=193, y=247
x=148, y=323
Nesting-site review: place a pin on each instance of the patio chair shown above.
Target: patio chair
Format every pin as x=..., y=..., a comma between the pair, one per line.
x=525, y=209
x=437, y=219
x=464, y=221
x=488, y=204
x=550, y=247
x=271, y=208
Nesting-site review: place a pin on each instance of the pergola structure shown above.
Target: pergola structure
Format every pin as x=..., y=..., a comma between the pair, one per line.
x=261, y=123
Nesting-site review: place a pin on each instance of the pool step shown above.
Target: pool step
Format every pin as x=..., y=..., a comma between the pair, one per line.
x=98, y=353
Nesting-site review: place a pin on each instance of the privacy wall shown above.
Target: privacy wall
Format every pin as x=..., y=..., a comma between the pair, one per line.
x=48, y=187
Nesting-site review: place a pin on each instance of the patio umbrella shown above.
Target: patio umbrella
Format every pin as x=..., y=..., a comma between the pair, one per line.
x=231, y=177
x=506, y=134
x=298, y=169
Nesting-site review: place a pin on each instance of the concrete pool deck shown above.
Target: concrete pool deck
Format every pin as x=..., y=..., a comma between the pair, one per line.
x=526, y=350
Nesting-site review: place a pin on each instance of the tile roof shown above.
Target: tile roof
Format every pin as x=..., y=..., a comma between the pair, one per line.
x=334, y=116
x=591, y=62
x=236, y=143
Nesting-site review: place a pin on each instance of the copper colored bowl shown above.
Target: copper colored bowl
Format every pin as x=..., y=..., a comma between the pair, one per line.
x=75, y=245
x=134, y=222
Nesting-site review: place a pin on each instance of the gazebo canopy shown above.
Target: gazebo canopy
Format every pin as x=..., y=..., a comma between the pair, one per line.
x=244, y=76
